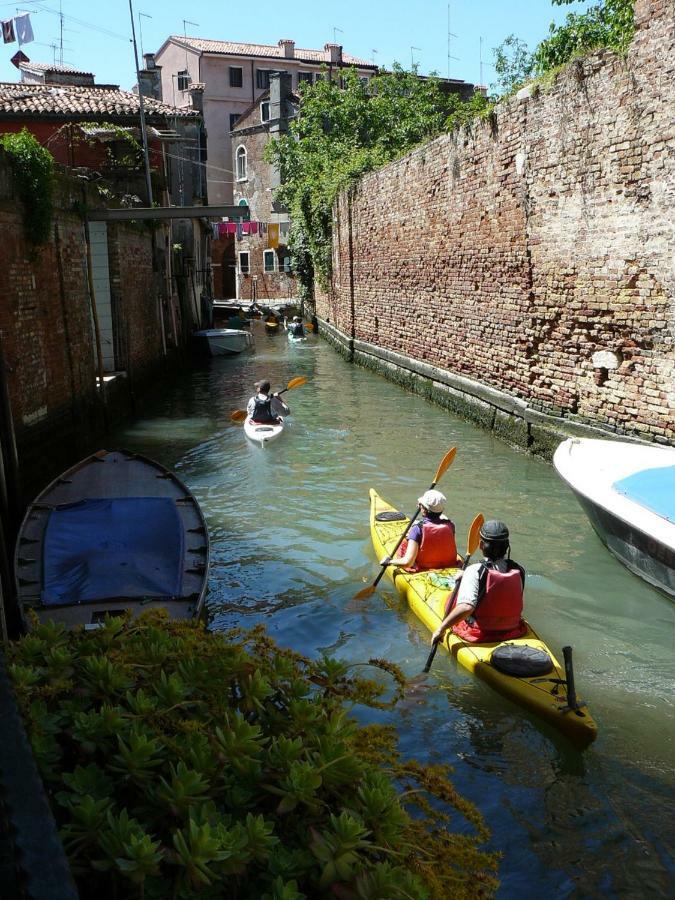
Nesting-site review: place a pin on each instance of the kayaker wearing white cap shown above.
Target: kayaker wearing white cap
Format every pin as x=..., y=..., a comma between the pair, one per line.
x=431, y=542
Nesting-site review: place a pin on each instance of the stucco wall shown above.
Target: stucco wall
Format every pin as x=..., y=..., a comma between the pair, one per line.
x=512, y=252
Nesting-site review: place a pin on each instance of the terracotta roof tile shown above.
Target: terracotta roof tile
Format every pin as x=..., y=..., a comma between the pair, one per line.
x=90, y=101
x=266, y=50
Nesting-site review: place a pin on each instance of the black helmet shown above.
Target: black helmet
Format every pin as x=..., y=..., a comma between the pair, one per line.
x=494, y=530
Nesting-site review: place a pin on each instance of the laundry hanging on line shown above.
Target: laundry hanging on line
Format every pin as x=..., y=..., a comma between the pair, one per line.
x=8, y=35
x=23, y=28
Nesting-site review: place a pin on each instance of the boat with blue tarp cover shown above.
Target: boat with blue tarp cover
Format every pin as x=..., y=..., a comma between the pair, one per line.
x=115, y=532
x=627, y=490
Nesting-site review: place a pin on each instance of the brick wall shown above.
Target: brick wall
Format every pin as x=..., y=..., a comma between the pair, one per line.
x=513, y=252
x=46, y=333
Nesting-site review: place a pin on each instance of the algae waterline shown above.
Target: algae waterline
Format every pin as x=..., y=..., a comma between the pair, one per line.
x=291, y=545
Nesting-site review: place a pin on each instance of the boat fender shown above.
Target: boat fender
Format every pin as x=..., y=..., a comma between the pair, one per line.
x=521, y=661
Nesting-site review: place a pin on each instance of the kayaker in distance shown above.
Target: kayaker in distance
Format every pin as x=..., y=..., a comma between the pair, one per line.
x=265, y=408
x=296, y=328
x=488, y=605
x=430, y=543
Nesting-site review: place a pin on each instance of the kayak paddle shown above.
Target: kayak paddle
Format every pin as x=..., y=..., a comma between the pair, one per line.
x=239, y=415
x=445, y=463
x=472, y=542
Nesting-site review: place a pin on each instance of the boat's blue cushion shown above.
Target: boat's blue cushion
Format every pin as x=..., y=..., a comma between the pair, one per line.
x=100, y=549
x=652, y=488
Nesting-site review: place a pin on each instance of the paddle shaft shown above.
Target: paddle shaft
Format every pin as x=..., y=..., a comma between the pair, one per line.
x=453, y=597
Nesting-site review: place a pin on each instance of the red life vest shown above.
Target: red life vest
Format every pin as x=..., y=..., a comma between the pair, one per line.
x=437, y=547
x=498, y=615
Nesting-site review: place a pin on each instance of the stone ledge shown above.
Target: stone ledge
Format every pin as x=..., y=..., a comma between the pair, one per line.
x=510, y=418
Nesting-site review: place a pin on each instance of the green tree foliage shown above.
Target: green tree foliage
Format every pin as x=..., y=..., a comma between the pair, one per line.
x=344, y=131
x=605, y=24
x=33, y=167
x=185, y=764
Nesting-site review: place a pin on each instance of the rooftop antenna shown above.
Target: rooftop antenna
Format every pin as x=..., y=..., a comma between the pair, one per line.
x=335, y=30
x=142, y=15
x=480, y=58
x=412, y=61
x=187, y=22
x=141, y=110
x=451, y=34
x=374, y=52
x=61, y=33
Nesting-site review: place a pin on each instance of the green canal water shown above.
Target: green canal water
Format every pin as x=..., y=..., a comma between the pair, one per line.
x=290, y=546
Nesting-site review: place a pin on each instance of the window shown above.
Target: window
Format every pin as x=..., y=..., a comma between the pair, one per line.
x=241, y=164
x=287, y=264
x=234, y=118
x=265, y=111
x=244, y=262
x=236, y=76
x=269, y=261
x=262, y=78
x=183, y=80
x=306, y=77
x=243, y=202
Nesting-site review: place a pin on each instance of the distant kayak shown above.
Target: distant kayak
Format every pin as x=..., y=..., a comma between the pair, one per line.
x=296, y=339
x=540, y=689
x=263, y=433
x=272, y=327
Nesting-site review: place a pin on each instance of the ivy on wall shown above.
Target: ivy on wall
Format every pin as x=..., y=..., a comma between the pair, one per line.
x=33, y=168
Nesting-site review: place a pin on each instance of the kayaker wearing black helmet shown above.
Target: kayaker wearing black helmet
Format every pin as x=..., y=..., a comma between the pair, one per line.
x=489, y=604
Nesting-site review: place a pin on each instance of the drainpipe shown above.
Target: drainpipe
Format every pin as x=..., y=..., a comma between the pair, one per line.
x=94, y=318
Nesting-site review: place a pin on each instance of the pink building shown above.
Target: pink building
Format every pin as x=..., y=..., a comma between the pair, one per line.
x=234, y=76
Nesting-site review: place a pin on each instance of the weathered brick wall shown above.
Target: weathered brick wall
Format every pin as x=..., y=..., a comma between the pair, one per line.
x=46, y=332
x=511, y=253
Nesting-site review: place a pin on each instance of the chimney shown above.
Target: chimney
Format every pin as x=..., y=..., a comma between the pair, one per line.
x=281, y=108
x=334, y=52
x=288, y=48
x=150, y=78
x=196, y=92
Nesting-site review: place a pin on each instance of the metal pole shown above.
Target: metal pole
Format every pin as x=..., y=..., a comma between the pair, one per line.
x=144, y=133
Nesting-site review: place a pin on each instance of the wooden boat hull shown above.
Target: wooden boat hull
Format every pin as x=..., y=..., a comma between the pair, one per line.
x=642, y=537
x=115, y=532
x=426, y=594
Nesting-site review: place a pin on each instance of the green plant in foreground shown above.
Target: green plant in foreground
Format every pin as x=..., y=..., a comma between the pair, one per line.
x=186, y=764
x=33, y=167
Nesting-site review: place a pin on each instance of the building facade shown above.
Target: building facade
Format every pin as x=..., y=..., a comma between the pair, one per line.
x=234, y=76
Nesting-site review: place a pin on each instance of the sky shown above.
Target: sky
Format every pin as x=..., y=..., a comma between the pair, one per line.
x=96, y=34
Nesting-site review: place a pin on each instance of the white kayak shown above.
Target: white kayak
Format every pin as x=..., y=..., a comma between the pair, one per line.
x=262, y=434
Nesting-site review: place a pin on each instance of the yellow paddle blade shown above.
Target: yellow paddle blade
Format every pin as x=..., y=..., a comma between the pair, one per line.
x=296, y=382
x=445, y=464
x=309, y=326
x=238, y=416
x=473, y=538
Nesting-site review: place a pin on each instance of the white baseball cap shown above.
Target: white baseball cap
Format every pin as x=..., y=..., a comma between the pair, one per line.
x=434, y=501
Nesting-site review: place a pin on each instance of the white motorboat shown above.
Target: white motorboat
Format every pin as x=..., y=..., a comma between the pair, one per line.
x=628, y=493
x=225, y=341
x=263, y=433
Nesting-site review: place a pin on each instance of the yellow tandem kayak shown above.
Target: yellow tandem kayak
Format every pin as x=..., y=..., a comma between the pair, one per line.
x=427, y=592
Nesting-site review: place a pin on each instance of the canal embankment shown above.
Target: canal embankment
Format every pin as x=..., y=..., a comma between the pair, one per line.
x=520, y=269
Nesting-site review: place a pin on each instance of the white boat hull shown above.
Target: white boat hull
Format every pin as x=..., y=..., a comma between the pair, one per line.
x=263, y=434
x=641, y=535
x=226, y=341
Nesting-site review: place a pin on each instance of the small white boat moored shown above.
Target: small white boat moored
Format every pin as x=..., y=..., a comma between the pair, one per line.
x=628, y=493
x=263, y=433
x=225, y=341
